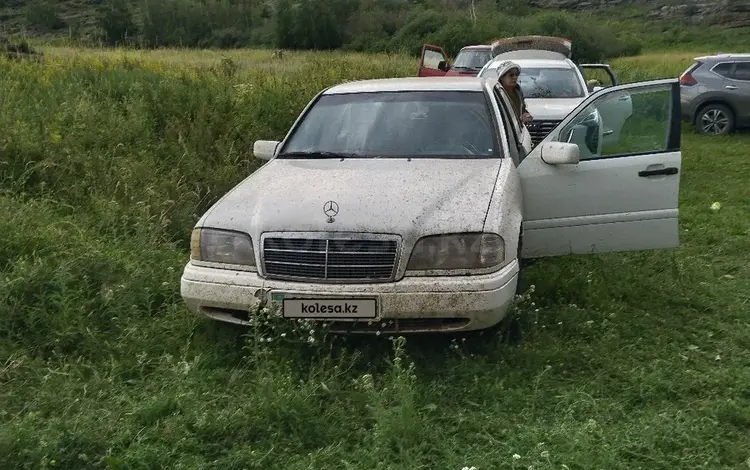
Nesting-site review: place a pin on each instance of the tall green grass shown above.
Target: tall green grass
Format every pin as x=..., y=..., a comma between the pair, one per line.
x=108, y=159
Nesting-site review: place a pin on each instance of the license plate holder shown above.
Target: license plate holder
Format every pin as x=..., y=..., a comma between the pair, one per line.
x=321, y=308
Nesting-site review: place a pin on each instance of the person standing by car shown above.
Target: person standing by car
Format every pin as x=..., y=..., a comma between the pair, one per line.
x=508, y=73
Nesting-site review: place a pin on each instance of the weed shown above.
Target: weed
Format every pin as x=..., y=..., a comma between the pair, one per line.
x=107, y=159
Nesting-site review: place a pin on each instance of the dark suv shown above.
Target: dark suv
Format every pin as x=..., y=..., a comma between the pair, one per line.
x=715, y=93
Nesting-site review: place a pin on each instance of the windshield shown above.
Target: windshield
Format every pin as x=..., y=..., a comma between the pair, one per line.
x=396, y=124
x=546, y=82
x=472, y=59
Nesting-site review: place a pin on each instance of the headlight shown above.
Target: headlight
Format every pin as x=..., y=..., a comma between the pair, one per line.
x=221, y=246
x=462, y=251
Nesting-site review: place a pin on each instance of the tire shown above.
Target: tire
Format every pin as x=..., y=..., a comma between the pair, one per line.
x=714, y=119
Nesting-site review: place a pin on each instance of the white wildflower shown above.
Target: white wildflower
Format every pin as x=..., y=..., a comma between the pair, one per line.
x=516, y=457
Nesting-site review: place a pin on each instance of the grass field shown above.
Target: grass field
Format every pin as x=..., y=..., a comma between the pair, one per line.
x=630, y=361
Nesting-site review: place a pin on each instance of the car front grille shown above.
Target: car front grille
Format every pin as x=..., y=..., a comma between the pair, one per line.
x=344, y=259
x=540, y=129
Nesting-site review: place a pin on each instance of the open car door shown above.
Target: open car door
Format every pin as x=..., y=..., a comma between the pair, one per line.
x=522, y=135
x=540, y=43
x=594, y=76
x=621, y=197
x=434, y=61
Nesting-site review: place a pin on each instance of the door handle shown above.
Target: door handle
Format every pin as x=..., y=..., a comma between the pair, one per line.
x=730, y=87
x=608, y=132
x=661, y=171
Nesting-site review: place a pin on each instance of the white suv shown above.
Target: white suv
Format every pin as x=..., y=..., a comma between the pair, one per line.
x=552, y=84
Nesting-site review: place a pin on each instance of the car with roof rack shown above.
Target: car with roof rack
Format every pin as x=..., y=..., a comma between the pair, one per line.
x=715, y=93
x=405, y=205
x=552, y=83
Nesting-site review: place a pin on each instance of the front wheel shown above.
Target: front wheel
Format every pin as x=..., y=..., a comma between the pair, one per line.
x=715, y=119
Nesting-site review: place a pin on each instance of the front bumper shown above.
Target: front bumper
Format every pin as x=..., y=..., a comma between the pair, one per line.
x=410, y=305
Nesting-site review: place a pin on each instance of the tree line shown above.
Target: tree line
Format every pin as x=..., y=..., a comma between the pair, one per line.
x=356, y=25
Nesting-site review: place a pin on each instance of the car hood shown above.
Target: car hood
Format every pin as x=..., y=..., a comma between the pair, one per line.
x=411, y=198
x=551, y=108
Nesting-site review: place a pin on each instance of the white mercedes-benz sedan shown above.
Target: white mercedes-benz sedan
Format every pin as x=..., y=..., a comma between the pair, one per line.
x=406, y=204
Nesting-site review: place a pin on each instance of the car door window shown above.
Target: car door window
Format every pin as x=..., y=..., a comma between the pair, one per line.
x=621, y=124
x=432, y=58
x=514, y=135
x=742, y=71
x=508, y=107
x=723, y=69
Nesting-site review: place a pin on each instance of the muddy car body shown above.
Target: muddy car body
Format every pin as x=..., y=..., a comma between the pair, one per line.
x=405, y=205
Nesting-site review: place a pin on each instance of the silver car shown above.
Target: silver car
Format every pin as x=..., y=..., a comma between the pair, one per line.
x=553, y=86
x=715, y=93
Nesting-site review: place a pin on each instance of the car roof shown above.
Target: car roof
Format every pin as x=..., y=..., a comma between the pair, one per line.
x=723, y=56
x=408, y=84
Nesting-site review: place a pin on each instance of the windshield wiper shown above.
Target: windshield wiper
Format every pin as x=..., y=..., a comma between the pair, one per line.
x=317, y=154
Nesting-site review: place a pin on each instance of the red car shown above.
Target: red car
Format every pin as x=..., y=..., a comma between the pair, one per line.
x=470, y=59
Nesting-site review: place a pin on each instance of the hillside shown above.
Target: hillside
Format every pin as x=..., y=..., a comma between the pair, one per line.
x=600, y=28
x=723, y=13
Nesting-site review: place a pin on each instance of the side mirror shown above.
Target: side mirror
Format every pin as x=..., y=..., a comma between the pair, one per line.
x=443, y=65
x=265, y=149
x=560, y=153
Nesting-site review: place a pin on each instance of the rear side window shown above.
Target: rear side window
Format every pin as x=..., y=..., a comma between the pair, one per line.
x=692, y=68
x=742, y=71
x=723, y=68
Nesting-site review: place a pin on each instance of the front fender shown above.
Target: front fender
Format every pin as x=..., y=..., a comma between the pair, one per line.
x=505, y=211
